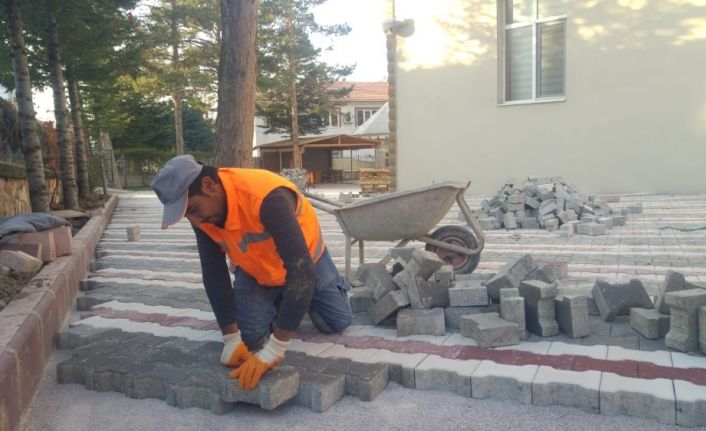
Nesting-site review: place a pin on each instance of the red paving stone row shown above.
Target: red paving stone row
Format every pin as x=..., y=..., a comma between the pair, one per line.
x=627, y=368
x=28, y=325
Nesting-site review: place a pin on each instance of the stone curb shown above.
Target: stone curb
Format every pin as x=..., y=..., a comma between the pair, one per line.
x=28, y=325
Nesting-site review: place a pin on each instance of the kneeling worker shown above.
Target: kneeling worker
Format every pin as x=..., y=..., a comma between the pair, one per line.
x=270, y=232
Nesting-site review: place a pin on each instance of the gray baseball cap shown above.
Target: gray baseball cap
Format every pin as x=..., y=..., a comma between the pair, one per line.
x=171, y=184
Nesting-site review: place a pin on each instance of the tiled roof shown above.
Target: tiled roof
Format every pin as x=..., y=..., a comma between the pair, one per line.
x=364, y=91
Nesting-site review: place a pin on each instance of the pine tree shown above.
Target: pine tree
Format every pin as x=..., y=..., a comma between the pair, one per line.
x=294, y=85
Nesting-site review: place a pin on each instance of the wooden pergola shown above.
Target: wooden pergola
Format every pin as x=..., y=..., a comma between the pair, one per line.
x=278, y=155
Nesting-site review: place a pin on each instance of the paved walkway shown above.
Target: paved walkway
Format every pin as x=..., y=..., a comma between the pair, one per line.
x=154, y=286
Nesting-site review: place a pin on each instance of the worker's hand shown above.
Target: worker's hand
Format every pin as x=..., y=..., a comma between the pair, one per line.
x=250, y=373
x=235, y=352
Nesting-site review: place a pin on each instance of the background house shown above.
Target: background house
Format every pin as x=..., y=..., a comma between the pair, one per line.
x=610, y=94
x=334, y=148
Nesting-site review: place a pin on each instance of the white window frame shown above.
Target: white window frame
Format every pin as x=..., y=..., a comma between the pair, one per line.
x=364, y=110
x=535, y=23
x=337, y=115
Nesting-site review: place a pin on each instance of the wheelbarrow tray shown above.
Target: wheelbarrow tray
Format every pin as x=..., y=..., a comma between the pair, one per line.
x=400, y=215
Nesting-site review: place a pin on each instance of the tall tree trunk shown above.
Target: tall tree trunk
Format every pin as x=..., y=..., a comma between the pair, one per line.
x=176, y=96
x=235, y=123
x=81, y=150
x=31, y=149
x=66, y=156
x=294, y=109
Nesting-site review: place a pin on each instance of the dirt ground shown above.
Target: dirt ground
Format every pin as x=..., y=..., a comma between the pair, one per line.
x=11, y=285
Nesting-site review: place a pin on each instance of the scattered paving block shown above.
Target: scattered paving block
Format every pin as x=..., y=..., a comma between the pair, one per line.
x=577, y=389
x=561, y=268
x=422, y=293
x=545, y=273
x=319, y=391
x=691, y=403
x=445, y=275
x=572, y=315
x=441, y=374
x=425, y=263
x=387, y=305
x=529, y=223
x=512, y=309
x=551, y=225
x=539, y=307
x=363, y=380
x=63, y=240
x=673, y=282
x=567, y=216
x=593, y=229
x=453, y=314
x=509, y=292
x=361, y=299
x=649, y=322
x=509, y=221
x=404, y=253
x=608, y=221
x=45, y=238
x=617, y=299
x=489, y=330
x=275, y=388
x=510, y=275
x=20, y=262
x=468, y=293
x=503, y=382
x=646, y=398
x=34, y=250
x=635, y=209
x=376, y=278
x=401, y=366
x=421, y=322
x=684, y=322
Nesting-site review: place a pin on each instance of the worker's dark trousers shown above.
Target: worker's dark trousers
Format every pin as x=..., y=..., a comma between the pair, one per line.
x=256, y=306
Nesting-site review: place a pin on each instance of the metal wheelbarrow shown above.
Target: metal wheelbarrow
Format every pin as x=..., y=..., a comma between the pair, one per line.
x=407, y=216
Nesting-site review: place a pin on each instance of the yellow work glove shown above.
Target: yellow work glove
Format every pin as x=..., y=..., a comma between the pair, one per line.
x=250, y=373
x=235, y=352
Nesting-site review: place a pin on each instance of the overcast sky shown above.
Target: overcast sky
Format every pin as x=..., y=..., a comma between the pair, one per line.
x=364, y=46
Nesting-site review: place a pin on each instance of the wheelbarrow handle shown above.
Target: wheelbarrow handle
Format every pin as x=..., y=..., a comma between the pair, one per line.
x=471, y=219
x=316, y=198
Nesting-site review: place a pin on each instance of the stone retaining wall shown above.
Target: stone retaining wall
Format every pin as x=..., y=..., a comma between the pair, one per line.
x=28, y=325
x=14, y=190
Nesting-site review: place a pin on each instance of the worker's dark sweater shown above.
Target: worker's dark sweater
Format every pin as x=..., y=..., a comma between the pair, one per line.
x=277, y=215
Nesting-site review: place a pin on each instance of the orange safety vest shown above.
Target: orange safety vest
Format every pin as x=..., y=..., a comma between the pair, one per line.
x=244, y=238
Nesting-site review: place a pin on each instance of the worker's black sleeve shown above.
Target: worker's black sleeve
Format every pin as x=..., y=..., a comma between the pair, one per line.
x=277, y=215
x=216, y=278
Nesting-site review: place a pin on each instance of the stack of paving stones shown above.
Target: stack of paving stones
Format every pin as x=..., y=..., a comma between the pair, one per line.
x=678, y=314
x=425, y=297
x=186, y=373
x=549, y=203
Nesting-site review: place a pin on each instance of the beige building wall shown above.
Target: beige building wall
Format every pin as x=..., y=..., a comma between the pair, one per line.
x=634, y=119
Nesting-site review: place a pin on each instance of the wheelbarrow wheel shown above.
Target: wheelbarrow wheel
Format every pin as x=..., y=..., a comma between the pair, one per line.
x=460, y=236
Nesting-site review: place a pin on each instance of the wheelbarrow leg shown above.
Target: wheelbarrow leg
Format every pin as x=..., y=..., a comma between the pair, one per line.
x=348, y=256
x=361, y=252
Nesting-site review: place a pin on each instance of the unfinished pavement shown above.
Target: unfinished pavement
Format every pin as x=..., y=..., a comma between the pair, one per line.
x=154, y=288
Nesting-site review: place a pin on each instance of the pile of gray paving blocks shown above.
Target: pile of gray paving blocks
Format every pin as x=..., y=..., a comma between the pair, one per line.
x=678, y=314
x=550, y=203
x=425, y=298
